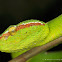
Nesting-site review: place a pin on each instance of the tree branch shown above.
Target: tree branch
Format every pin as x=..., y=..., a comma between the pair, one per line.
x=25, y=56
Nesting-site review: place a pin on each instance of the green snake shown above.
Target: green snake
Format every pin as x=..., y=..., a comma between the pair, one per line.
x=28, y=34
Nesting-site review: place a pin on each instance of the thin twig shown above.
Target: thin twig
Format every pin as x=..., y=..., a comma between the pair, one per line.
x=25, y=56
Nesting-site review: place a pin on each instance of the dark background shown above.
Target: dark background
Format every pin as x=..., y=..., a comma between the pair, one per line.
x=15, y=11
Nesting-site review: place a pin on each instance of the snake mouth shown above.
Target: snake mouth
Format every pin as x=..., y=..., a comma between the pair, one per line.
x=12, y=30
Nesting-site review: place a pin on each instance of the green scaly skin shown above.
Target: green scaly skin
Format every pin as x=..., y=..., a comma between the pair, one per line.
x=55, y=31
x=24, y=39
x=35, y=34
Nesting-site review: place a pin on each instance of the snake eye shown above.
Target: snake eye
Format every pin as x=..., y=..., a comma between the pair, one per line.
x=12, y=30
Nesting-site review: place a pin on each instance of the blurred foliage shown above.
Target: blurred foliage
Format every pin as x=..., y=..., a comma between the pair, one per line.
x=47, y=57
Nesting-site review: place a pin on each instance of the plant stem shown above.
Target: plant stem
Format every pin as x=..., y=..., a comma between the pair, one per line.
x=34, y=51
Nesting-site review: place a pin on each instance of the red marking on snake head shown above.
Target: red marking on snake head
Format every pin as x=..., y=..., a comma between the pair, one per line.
x=28, y=25
x=23, y=26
